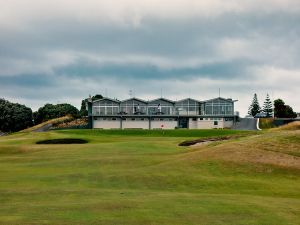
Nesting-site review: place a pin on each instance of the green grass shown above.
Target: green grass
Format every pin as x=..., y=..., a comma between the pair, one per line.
x=159, y=132
x=143, y=177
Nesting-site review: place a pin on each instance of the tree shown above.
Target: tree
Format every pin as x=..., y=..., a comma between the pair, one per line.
x=14, y=116
x=267, y=107
x=279, y=108
x=50, y=111
x=254, y=108
x=289, y=112
x=83, y=111
x=283, y=111
x=96, y=97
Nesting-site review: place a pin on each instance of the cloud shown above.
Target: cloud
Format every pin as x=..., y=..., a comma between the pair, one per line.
x=64, y=50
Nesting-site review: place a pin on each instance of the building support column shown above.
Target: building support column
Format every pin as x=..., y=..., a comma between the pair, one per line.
x=90, y=113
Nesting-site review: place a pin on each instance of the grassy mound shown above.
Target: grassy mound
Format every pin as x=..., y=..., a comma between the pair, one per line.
x=52, y=121
x=272, y=149
x=290, y=126
x=63, y=141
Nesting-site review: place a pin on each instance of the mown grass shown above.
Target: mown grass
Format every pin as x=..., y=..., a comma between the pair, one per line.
x=160, y=132
x=144, y=177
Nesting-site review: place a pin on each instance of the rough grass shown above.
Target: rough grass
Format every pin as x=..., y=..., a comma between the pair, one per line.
x=290, y=126
x=52, y=121
x=140, y=178
x=266, y=123
x=80, y=122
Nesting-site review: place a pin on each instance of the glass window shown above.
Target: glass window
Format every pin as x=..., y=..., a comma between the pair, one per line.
x=208, y=109
x=108, y=110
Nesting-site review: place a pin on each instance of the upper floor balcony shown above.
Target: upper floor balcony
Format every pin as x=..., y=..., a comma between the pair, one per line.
x=162, y=106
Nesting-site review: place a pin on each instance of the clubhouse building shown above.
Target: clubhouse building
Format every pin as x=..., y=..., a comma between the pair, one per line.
x=161, y=113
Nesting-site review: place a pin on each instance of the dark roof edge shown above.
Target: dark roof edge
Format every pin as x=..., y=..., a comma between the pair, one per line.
x=134, y=98
x=105, y=98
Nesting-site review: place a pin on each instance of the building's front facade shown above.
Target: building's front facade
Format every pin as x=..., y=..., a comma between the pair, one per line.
x=161, y=113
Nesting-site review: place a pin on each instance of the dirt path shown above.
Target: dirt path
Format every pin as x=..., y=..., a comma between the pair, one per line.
x=2, y=134
x=44, y=128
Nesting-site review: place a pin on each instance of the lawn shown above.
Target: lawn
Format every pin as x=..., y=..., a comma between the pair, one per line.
x=144, y=177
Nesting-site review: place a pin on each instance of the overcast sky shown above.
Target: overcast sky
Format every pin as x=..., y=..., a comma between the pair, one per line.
x=56, y=51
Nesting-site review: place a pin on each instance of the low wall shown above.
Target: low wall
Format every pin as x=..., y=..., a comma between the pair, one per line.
x=163, y=124
x=142, y=124
x=107, y=124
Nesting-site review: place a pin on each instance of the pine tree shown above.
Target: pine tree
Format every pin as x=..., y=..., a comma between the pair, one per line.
x=254, y=108
x=267, y=107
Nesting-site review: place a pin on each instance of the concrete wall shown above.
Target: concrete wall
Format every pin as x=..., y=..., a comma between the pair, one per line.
x=166, y=124
x=228, y=124
x=160, y=124
x=209, y=124
x=193, y=124
x=106, y=124
x=205, y=124
x=143, y=124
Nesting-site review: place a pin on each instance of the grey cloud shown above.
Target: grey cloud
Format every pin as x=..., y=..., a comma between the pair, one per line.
x=47, y=54
x=217, y=70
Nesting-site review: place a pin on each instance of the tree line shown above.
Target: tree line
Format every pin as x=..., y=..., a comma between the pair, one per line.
x=15, y=117
x=278, y=107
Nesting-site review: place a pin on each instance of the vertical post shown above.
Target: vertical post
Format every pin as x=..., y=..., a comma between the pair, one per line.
x=90, y=112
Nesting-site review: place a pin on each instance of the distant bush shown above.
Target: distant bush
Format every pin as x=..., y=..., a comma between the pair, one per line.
x=14, y=116
x=281, y=110
x=50, y=111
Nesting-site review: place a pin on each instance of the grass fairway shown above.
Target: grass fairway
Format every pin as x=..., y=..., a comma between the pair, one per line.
x=144, y=177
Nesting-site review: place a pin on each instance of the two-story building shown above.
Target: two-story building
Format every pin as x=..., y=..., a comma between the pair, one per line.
x=161, y=113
